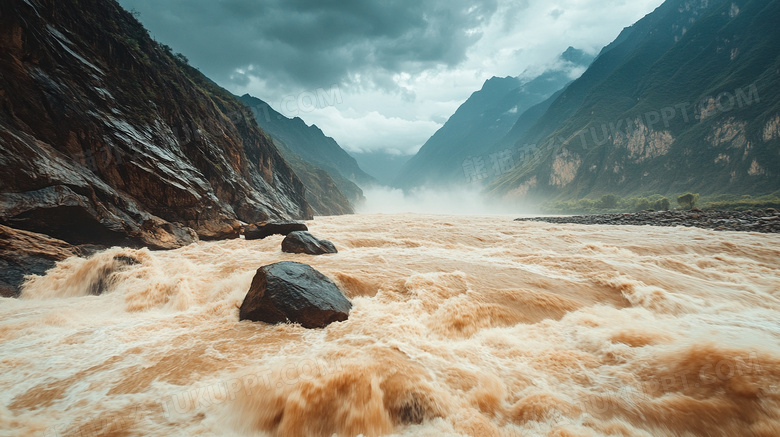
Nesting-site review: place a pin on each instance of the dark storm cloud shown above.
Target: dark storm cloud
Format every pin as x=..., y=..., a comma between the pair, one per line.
x=315, y=43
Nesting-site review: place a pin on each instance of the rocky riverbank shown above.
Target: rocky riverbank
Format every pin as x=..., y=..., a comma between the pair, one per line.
x=766, y=221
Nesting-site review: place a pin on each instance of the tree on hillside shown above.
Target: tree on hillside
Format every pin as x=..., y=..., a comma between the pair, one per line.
x=608, y=201
x=642, y=204
x=688, y=200
x=663, y=204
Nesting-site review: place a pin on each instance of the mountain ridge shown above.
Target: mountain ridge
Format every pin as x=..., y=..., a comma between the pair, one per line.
x=689, y=110
x=323, y=157
x=308, y=141
x=479, y=126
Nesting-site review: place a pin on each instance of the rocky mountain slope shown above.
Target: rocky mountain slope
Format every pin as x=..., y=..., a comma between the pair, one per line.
x=330, y=174
x=687, y=99
x=107, y=137
x=323, y=193
x=479, y=126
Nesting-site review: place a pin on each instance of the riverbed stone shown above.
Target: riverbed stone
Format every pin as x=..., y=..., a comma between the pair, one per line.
x=263, y=230
x=305, y=242
x=765, y=221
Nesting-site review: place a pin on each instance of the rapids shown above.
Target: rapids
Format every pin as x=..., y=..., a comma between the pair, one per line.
x=477, y=326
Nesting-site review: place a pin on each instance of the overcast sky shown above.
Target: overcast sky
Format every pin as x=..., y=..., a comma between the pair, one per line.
x=378, y=74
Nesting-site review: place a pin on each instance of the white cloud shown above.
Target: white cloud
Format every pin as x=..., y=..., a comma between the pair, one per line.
x=394, y=95
x=372, y=131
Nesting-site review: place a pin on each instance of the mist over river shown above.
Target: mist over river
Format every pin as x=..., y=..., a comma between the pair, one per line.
x=461, y=325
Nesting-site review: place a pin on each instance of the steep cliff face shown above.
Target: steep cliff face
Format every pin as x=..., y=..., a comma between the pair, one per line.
x=687, y=99
x=323, y=192
x=109, y=138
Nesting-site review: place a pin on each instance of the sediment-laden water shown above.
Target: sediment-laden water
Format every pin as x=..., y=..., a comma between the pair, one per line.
x=476, y=326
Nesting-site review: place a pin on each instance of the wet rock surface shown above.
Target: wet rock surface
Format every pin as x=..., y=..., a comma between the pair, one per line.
x=766, y=220
x=263, y=230
x=293, y=292
x=27, y=253
x=305, y=242
x=100, y=285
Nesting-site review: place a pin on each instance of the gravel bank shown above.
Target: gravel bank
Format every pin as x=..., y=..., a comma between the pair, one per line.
x=767, y=221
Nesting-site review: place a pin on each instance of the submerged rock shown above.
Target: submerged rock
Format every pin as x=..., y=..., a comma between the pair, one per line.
x=411, y=412
x=304, y=242
x=262, y=230
x=101, y=281
x=293, y=292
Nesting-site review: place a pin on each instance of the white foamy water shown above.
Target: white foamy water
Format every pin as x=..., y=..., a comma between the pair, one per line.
x=475, y=326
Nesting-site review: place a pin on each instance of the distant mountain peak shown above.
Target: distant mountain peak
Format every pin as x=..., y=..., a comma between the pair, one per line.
x=576, y=56
x=497, y=82
x=499, y=78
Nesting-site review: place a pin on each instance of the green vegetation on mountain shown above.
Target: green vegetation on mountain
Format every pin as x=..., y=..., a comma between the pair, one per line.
x=688, y=200
x=610, y=203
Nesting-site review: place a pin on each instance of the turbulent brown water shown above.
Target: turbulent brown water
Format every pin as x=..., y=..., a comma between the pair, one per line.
x=475, y=326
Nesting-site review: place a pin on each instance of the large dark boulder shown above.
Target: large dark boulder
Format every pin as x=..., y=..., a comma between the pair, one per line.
x=304, y=242
x=293, y=292
x=262, y=230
